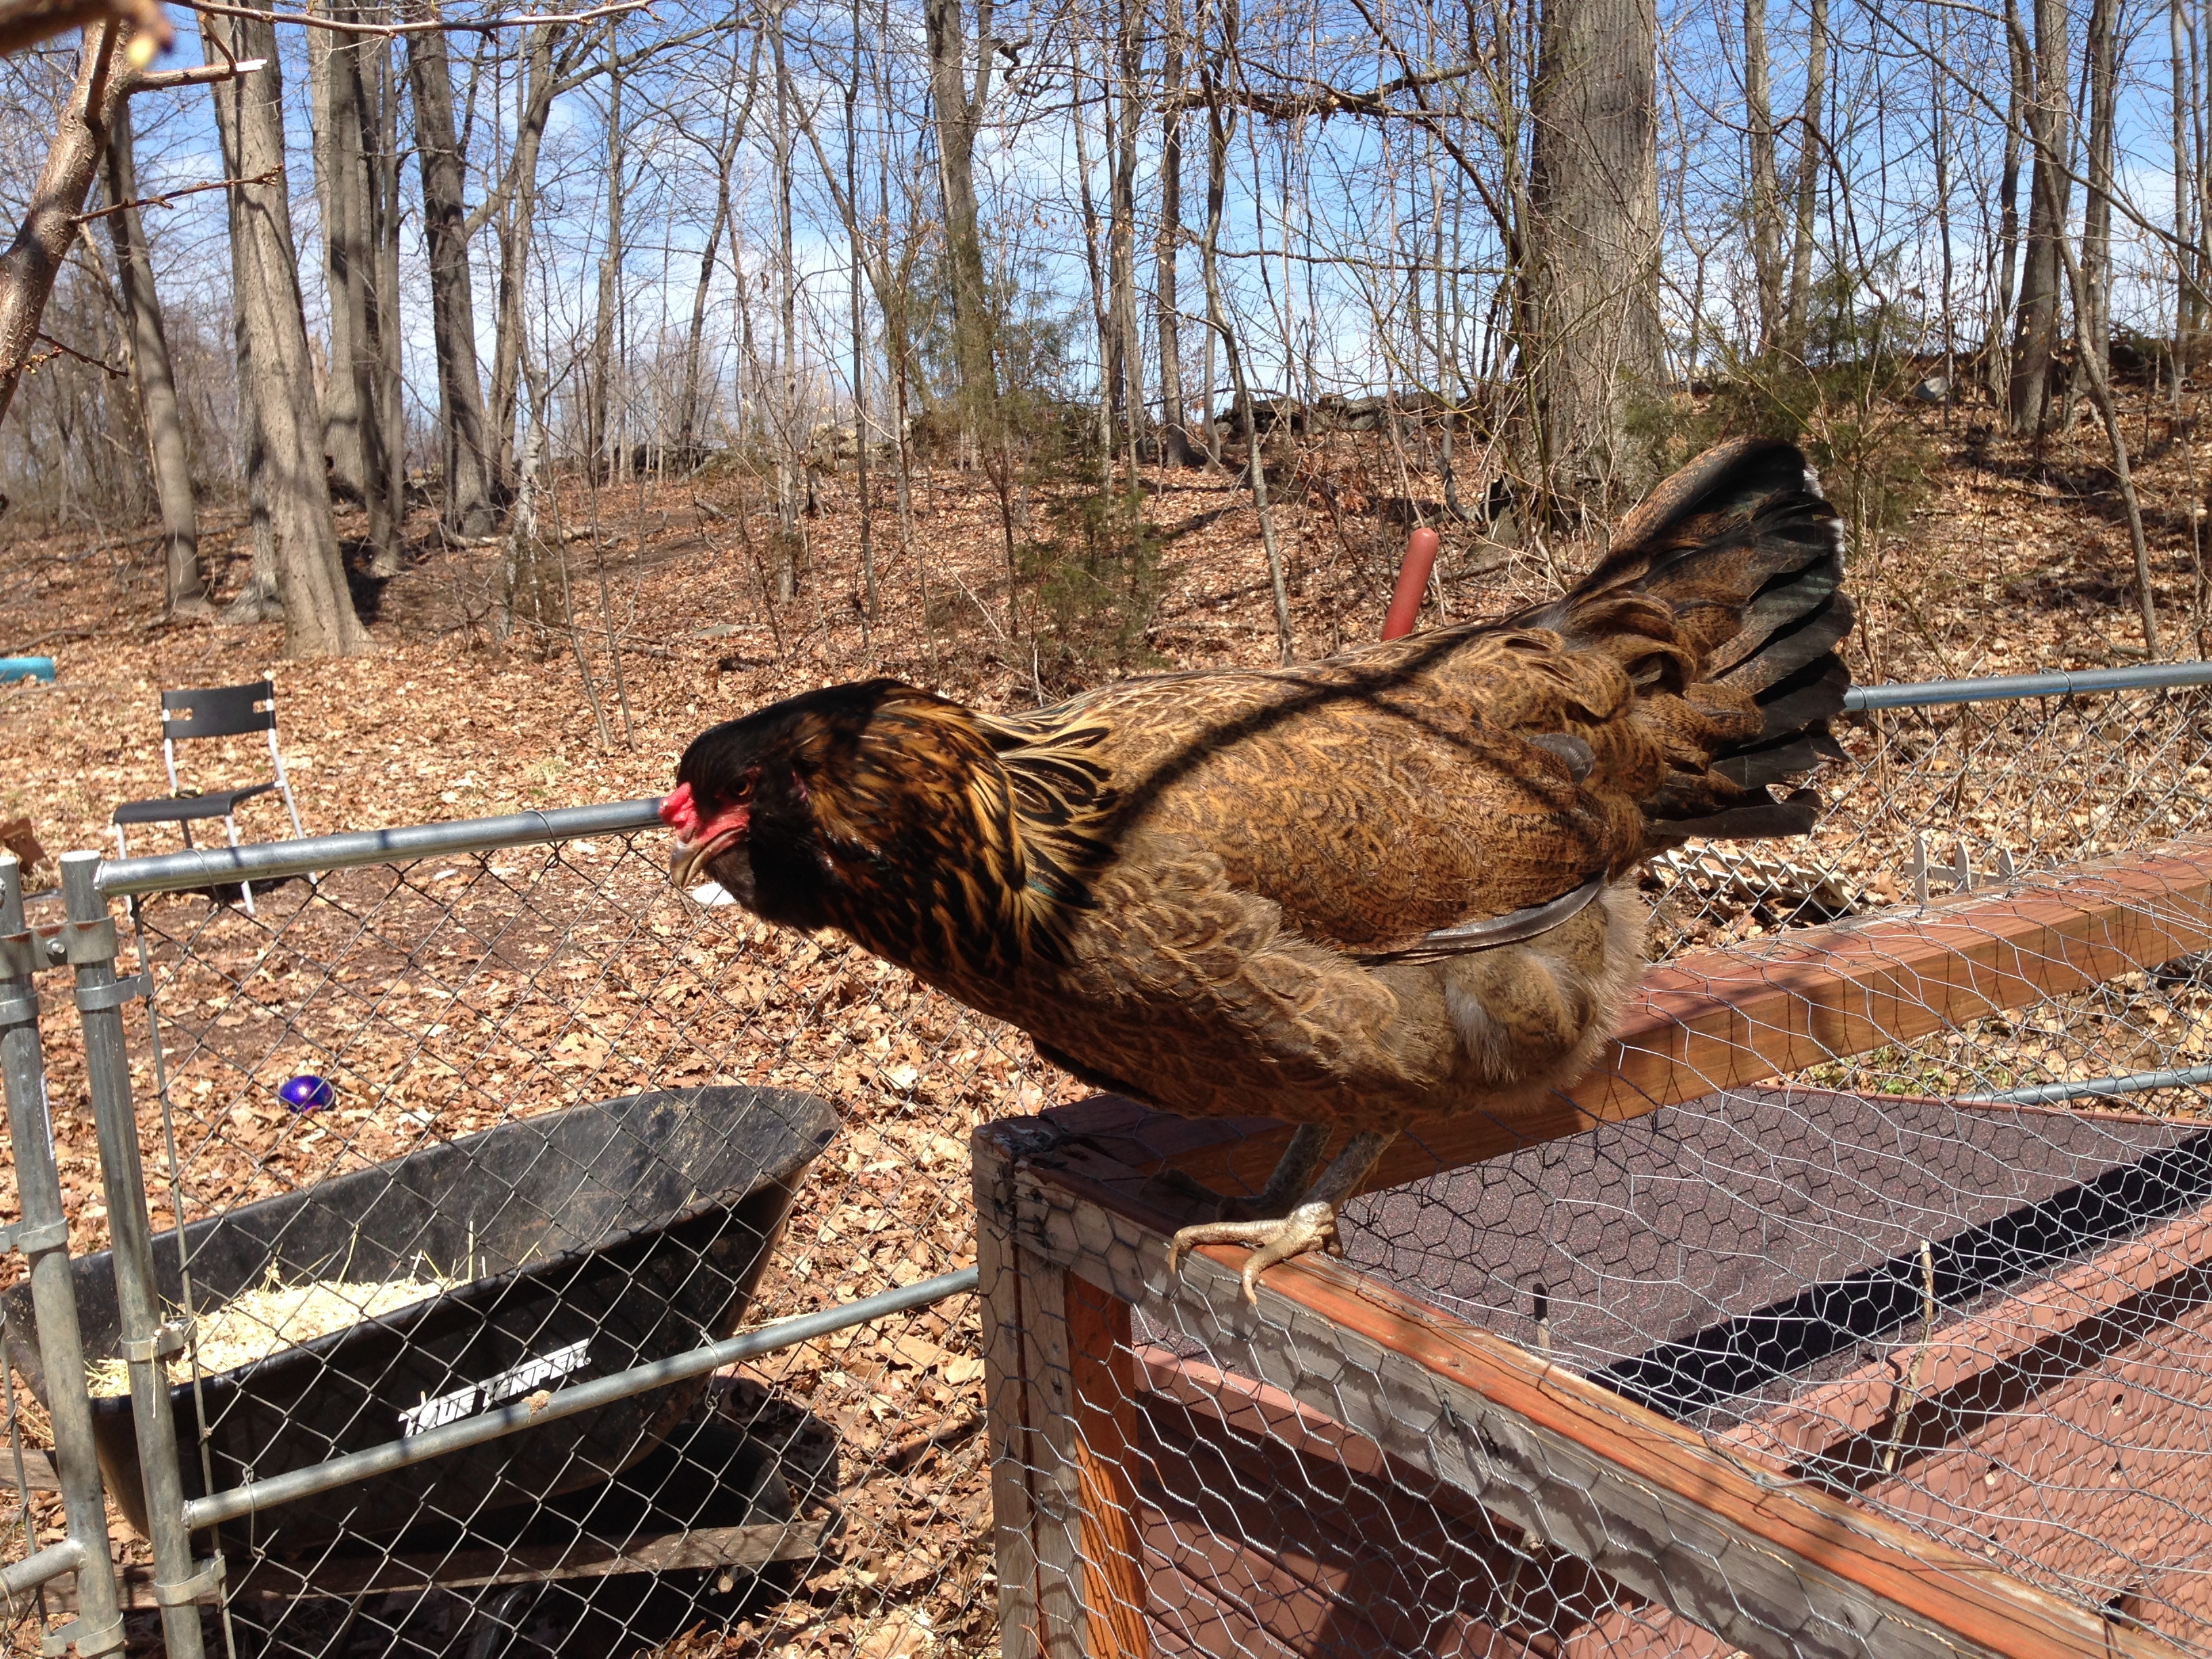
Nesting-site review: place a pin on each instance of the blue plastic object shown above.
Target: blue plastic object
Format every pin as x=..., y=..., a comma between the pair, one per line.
x=308, y=1093
x=25, y=668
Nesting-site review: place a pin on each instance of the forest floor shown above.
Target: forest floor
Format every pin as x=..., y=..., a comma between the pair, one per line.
x=2012, y=561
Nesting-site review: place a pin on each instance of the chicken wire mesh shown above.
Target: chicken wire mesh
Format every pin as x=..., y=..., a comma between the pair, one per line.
x=1906, y=1221
x=541, y=1059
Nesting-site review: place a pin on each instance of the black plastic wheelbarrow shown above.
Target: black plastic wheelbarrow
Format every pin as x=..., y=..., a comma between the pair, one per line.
x=589, y=1240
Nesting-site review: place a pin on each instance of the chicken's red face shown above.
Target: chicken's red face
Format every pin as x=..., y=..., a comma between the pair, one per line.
x=700, y=840
x=750, y=799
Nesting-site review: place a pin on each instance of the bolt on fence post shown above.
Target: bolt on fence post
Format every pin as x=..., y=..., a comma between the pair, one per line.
x=43, y=1237
x=90, y=936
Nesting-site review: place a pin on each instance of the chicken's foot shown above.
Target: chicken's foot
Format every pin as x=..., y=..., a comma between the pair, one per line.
x=1310, y=1224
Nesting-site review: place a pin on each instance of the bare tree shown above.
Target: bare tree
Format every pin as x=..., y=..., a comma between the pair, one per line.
x=34, y=259
x=598, y=371
x=2035, y=333
x=735, y=117
x=1765, y=203
x=342, y=71
x=285, y=457
x=1811, y=135
x=184, y=587
x=2004, y=256
x=2188, y=294
x=1175, y=436
x=2097, y=217
x=1124, y=361
x=1593, y=340
x=512, y=208
x=960, y=99
x=468, y=509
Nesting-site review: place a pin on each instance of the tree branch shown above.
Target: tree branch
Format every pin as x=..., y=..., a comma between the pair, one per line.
x=34, y=259
x=468, y=25
x=26, y=22
x=200, y=74
x=167, y=196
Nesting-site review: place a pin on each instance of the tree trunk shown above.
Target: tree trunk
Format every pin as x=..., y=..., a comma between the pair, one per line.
x=1255, y=471
x=734, y=122
x=1217, y=189
x=2097, y=219
x=1595, y=342
x=384, y=230
x=1175, y=436
x=2035, y=334
x=1101, y=305
x=692, y=408
x=1812, y=129
x=1126, y=372
x=1941, y=141
x=959, y=114
x=350, y=151
x=860, y=443
x=341, y=187
x=276, y=377
x=2188, y=302
x=517, y=209
x=453, y=302
x=34, y=259
x=532, y=595
x=1998, y=357
x=600, y=373
x=2100, y=389
x=1765, y=187
x=787, y=457
x=151, y=374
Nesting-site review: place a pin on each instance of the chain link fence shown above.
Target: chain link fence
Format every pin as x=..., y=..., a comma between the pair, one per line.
x=469, y=1133
x=567, y=1265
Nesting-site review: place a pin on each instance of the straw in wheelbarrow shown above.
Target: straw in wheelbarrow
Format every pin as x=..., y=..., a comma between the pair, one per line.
x=273, y=1317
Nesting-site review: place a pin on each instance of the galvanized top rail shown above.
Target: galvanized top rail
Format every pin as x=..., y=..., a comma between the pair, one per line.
x=206, y=865
x=268, y=861
x=1938, y=694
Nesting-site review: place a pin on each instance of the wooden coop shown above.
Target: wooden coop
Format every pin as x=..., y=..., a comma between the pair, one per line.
x=1867, y=1374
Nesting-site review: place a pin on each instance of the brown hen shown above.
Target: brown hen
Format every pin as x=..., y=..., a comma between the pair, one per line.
x=1397, y=884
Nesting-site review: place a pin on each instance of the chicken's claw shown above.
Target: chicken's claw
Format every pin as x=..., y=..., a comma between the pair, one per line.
x=1310, y=1226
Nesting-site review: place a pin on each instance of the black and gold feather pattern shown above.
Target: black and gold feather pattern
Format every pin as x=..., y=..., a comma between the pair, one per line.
x=1236, y=891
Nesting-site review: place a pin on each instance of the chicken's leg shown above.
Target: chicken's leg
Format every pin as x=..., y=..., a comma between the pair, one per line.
x=1311, y=1225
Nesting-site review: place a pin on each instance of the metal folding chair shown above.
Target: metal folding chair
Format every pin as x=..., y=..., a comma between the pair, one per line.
x=224, y=711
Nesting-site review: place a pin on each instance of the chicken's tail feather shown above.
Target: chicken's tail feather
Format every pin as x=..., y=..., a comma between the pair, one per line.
x=1724, y=598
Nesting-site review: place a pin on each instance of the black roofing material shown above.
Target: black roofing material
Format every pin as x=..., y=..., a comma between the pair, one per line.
x=1724, y=1252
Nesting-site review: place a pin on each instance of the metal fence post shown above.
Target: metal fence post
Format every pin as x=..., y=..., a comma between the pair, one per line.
x=90, y=947
x=42, y=1235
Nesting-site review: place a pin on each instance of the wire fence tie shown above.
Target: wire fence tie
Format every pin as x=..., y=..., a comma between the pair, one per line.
x=93, y=998
x=35, y=1241
x=177, y=1592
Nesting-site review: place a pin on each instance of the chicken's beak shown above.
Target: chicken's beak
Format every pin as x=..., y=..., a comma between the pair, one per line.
x=684, y=859
x=691, y=855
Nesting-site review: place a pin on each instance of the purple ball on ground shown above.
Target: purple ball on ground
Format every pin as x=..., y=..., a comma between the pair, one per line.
x=308, y=1093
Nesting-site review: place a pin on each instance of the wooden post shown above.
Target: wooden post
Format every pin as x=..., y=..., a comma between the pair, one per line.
x=1059, y=1383
x=1102, y=1365
x=1006, y=1401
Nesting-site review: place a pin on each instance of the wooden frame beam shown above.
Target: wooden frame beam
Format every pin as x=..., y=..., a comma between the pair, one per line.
x=1779, y=1570
x=2174, y=1259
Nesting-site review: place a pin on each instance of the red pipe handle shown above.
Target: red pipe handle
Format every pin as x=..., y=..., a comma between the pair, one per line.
x=1413, y=583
